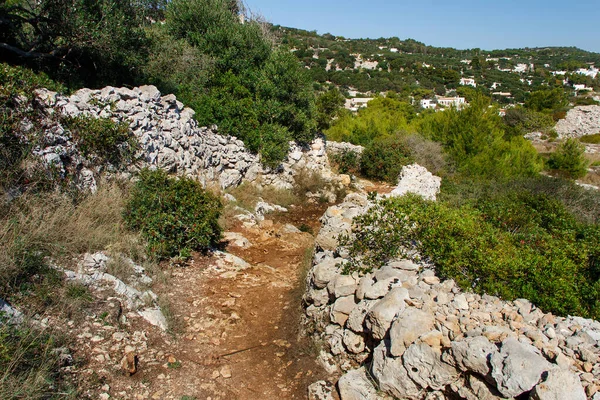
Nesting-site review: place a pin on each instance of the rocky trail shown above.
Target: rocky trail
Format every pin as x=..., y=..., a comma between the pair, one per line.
x=237, y=320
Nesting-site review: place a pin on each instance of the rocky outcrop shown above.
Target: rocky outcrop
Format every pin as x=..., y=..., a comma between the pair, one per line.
x=579, y=121
x=341, y=147
x=416, y=179
x=169, y=138
x=92, y=271
x=422, y=338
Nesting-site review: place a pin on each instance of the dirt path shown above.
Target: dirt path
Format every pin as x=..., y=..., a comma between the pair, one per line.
x=238, y=334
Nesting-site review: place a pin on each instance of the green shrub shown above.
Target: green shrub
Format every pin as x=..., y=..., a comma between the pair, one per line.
x=569, y=159
x=346, y=161
x=516, y=245
x=591, y=139
x=102, y=137
x=175, y=216
x=384, y=158
x=476, y=141
x=16, y=92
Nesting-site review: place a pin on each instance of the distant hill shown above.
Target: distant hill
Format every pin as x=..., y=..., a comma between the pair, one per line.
x=409, y=66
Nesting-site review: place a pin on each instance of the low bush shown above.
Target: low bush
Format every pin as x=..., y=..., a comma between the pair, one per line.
x=384, y=158
x=591, y=139
x=308, y=181
x=569, y=159
x=516, y=245
x=103, y=138
x=346, y=161
x=428, y=154
x=175, y=216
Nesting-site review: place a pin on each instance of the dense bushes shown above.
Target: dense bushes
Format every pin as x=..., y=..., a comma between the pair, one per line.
x=475, y=140
x=175, y=216
x=235, y=77
x=569, y=159
x=95, y=43
x=515, y=245
x=383, y=117
x=384, y=158
x=103, y=138
x=231, y=73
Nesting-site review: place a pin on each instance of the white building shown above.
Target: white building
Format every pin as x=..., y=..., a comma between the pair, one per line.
x=520, y=68
x=457, y=102
x=428, y=104
x=582, y=88
x=468, y=82
x=440, y=102
x=357, y=103
x=591, y=72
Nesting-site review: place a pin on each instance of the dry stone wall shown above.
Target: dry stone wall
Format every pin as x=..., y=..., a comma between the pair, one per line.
x=169, y=137
x=400, y=332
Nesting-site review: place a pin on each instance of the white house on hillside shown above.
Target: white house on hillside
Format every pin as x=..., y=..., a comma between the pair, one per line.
x=468, y=82
x=591, y=72
x=357, y=103
x=440, y=102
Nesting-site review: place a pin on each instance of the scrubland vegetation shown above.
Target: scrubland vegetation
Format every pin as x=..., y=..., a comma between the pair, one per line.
x=499, y=226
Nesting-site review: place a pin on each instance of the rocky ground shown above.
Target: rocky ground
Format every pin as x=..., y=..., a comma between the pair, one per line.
x=402, y=332
x=234, y=323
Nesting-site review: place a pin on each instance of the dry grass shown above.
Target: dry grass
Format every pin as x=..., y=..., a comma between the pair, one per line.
x=247, y=195
x=54, y=225
x=29, y=364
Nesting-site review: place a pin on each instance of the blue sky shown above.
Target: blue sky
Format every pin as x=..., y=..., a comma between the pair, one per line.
x=460, y=23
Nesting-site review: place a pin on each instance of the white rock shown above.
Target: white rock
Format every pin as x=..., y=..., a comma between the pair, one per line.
x=517, y=368
x=416, y=179
x=380, y=317
x=325, y=271
x=355, y=385
x=392, y=377
x=559, y=385
x=473, y=354
x=423, y=364
x=406, y=329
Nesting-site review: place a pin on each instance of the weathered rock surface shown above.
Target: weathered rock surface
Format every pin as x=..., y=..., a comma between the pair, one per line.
x=579, y=121
x=91, y=271
x=429, y=340
x=169, y=138
x=416, y=179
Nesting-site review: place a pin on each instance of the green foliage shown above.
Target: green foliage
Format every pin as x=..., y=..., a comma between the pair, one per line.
x=384, y=158
x=175, y=216
x=328, y=106
x=475, y=140
x=592, y=139
x=102, y=137
x=547, y=100
x=569, y=159
x=383, y=117
x=234, y=77
x=346, y=161
x=517, y=245
x=97, y=42
x=519, y=121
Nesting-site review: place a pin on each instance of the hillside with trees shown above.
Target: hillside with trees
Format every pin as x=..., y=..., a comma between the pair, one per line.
x=411, y=68
x=175, y=202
